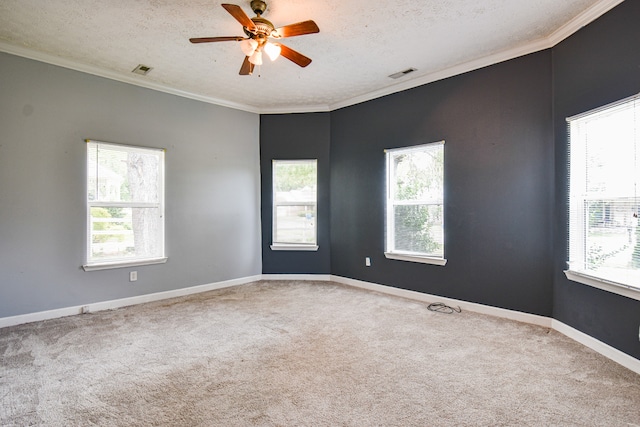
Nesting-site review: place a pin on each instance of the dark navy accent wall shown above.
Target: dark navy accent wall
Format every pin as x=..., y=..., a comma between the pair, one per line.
x=596, y=66
x=496, y=122
x=289, y=137
x=505, y=178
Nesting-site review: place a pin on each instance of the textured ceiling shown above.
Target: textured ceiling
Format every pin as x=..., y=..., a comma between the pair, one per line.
x=359, y=45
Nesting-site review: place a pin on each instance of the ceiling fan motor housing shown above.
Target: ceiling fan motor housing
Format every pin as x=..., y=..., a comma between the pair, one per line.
x=258, y=7
x=263, y=29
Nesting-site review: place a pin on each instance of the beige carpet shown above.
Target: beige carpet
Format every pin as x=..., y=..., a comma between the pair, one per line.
x=304, y=354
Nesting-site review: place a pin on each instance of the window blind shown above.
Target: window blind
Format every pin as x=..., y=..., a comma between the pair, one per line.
x=604, y=204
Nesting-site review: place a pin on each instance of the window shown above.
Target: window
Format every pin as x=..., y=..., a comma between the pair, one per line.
x=125, y=205
x=294, y=205
x=415, y=192
x=604, y=185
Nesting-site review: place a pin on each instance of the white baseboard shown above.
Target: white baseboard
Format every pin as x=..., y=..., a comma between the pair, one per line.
x=606, y=350
x=310, y=277
x=470, y=306
x=123, y=302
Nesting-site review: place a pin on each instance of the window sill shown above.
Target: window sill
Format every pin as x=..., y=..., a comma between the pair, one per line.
x=616, y=288
x=285, y=247
x=415, y=258
x=123, y=264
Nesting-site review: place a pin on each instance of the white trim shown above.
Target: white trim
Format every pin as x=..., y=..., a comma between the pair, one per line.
x=123, y=302
x=293, y=247
x=444, y=74
x=605, y=108
x=123, y=264
x=130, y=78
x=392, y=201
x=586, y=17
x=93, y=150
x=594, y=344
x=288, y=246
x=583, y=19
x=412, y=148
x=605, y=350
x=598, y=346
x=415, y=258
x=605, y=285
x=310, y=277
x=533, y=319
x=294, y=109
x=129, y=148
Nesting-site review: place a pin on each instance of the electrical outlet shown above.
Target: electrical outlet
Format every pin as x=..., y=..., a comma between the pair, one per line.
x=367, y=262
x=133, y=276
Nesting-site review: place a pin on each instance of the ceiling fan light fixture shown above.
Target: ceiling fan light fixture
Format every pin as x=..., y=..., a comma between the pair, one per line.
x=258, y=30
x=248, y=46
x=256, y=58
x=272, y=50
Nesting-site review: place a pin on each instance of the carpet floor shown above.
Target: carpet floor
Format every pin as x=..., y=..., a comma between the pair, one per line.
x=288, y=353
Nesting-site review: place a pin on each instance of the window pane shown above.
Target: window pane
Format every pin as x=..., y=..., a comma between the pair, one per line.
x=294, y=201
x=604, y=233
x=295, y=224
x=611, y=240
x=119, y=174
x=418, y=175
x=415, y=193
x=419, y=229
x=125, y=186
x=607, y=171
x=295, y=181
x=125, y=233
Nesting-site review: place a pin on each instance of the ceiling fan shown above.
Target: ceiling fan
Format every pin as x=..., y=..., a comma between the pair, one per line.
x=258, y=31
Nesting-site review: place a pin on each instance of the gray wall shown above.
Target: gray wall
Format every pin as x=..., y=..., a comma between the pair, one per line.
x=212, y=186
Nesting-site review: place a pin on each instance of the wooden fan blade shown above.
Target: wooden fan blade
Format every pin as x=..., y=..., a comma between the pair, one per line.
x=215, y=39
x=237, y=12
x=247, y=67
x=299, y=29
x=294, y=56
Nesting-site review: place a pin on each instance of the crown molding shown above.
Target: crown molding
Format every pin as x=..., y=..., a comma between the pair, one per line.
x=465, y=67
x=583, y=19
x=547, y=42
x=292, y=109
x=117, y=76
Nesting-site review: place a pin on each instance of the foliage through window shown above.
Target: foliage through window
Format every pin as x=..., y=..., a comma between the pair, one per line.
x=295, y=204
x=415, y=191
x=604, y=185
x=125, y=204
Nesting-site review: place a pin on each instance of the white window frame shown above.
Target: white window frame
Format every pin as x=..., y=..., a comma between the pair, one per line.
x=91, y=265
x=287, y=246
x=390, y=251
x=577, y=271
